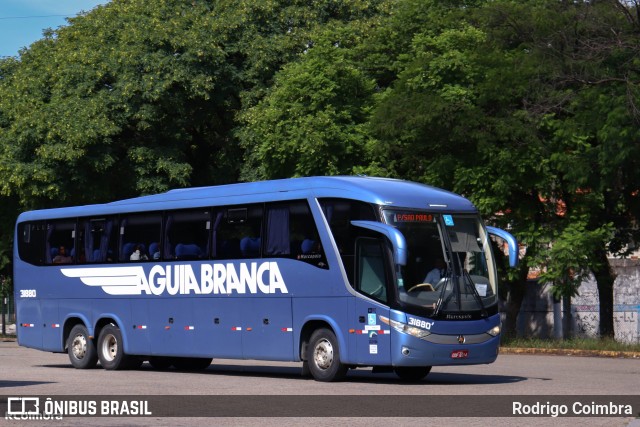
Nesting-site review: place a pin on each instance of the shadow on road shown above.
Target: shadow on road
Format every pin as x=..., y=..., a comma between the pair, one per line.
x=7, y=384
x=362, y=375
x=354, y=375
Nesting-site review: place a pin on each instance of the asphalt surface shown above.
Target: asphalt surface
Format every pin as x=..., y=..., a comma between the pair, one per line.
x=240, y=386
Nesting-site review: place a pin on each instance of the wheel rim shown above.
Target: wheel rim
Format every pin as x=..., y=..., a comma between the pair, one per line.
x=323, y=354
x=109, y=347
x=79, y=346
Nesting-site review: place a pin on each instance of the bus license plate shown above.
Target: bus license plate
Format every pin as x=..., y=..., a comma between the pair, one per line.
x=459, y=354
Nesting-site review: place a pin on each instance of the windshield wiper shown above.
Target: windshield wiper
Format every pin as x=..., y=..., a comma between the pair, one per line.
x=441, y=300
x=470, y=283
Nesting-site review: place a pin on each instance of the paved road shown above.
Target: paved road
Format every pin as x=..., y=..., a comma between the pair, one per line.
x=31, y=372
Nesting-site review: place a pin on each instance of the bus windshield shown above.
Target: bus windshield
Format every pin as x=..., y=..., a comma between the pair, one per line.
x=450, y=271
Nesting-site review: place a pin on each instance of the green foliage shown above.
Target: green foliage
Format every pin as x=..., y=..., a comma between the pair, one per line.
x=312, y=121
x=88, y=108
x=6, y=286
x=138, y=97
x=568, y=259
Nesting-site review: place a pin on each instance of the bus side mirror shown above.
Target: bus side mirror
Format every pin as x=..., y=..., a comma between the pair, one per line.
x=512, y=243
x=396, y=238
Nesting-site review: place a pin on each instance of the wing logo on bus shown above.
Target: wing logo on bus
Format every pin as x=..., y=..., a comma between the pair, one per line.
x=181, y=279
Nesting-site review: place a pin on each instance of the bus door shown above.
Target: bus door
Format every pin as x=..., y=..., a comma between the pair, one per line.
x=268, y=332
x=373, y=339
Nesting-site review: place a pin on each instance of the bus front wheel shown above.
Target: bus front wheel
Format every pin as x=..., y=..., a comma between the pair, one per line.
x=81, y=348
x=323, y=357
x=111, y=350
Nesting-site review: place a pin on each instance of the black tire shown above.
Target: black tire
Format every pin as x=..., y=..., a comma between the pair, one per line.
x=306, y=373
x=111, y=350
x=323, y=357
x=412, y=373
x=160, y=363
x=81, y=348
x=191, y=363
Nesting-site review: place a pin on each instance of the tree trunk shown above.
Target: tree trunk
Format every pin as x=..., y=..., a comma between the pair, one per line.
x=515, y=295
x=567, y=318
x=605, y=277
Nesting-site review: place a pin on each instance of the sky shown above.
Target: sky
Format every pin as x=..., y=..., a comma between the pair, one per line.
x=22, y=21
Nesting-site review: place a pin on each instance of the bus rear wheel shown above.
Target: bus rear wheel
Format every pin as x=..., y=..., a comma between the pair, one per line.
x=412, y=373
x=81, y=348
x=323, y=357
x=111, y=350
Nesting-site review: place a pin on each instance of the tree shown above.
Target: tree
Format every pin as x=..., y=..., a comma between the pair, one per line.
x=138, y=97
x=118, y=103
x=527, y=107
x=312, y=120
x=585, y=110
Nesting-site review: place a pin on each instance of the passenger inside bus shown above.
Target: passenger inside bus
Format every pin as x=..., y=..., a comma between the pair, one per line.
x=62, y=257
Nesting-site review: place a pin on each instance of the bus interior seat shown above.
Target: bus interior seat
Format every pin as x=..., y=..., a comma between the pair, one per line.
x=250, y=246
x=188, y=251
x=228, y=249
x=154, y=250
x=308, y=246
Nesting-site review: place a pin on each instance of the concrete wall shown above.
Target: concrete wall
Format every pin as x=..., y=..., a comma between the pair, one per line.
x=536, y=318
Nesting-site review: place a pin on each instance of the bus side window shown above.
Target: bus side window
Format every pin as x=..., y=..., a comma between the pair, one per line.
x=136, y=233
x=97, y=238
x=292, y=233
x=237, y=232
x=339, y=213
x=60, y=242
x=186, y=235
x=31, y=243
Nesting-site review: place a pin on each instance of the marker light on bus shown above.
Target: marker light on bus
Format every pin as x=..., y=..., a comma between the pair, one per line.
x=404, y=328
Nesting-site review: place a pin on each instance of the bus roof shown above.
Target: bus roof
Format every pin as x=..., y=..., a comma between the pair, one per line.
x=382, y=191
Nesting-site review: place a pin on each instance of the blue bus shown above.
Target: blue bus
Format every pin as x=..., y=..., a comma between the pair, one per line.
x=333, y=272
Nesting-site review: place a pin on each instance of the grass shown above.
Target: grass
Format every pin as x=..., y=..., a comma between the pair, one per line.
x=571, y=344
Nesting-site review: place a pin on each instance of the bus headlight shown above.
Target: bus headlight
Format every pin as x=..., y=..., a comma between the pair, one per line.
x=495, y=331
x=404, y=328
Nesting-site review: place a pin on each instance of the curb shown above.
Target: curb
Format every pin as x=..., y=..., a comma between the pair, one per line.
x=571, y=352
